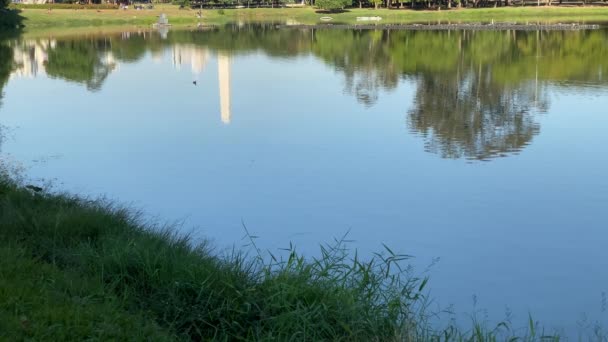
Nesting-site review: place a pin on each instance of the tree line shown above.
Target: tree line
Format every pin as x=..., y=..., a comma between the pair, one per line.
x=477, y=93
x=337, y=5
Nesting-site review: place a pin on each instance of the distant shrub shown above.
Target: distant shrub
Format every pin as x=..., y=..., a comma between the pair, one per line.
x=333, y=5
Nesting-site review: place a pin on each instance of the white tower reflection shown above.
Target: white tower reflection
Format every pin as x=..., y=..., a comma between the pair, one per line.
x=223, y=67
x=198, y=58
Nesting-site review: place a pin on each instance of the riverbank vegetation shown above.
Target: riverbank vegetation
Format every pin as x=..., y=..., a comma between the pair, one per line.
x=87, y=269
x=76, y=269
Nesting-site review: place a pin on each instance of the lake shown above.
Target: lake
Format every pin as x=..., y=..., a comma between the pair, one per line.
x=482, y=154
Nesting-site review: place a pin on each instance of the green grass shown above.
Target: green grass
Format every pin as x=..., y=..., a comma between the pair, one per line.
x=76, y=269
x=40, y=19
x=42, y=302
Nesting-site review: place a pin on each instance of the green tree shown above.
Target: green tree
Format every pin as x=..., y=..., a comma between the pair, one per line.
x=4, y=3
x=6, y=65
x=333, y=5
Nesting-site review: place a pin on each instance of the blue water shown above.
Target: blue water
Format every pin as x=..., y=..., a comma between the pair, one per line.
x=299, y=159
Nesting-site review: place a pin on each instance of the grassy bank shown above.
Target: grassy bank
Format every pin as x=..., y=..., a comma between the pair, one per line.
x=38, y=19
x=74, y=269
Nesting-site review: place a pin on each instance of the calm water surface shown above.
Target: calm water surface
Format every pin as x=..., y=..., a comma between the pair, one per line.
x=482, y=153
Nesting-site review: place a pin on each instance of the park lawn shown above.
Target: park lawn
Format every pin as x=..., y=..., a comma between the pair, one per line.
x=42, y=19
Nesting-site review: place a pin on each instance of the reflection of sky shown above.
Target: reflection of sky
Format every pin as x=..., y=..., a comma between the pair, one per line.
x=301, y=161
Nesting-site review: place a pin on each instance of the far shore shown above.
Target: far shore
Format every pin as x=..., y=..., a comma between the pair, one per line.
x=458, y=26
x=91, y=18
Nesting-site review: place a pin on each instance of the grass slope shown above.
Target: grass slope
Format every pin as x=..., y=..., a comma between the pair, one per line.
x=72, y=269
x=42, y=302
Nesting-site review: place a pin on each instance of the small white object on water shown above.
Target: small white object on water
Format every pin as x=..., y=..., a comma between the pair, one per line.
x=326, y=18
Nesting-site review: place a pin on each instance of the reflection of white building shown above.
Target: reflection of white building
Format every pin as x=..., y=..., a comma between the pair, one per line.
x=157, y=56
x=197, y=58
x=185, y=54
x=223, y=67
x=108, y=59
x=29, y=57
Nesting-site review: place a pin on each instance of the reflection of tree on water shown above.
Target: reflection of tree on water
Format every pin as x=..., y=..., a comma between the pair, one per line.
x=6, y=65
x=30, y=57
x=468, y=116
x=476, y=95
x=366, y=84
x=473, y=109
x=86, y=61
x=361, y=56
x=12, y=20
x=476, y=92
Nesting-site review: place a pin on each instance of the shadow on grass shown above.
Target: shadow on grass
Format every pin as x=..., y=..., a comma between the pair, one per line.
x=332, y=11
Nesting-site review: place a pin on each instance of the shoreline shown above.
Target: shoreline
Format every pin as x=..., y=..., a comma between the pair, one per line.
x=117, y=277
x=447, y=27
x=59, y=32
x=59, y=19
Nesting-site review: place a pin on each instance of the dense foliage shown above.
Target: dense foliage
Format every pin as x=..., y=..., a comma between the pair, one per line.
x=10, y=19
x=333, y=5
